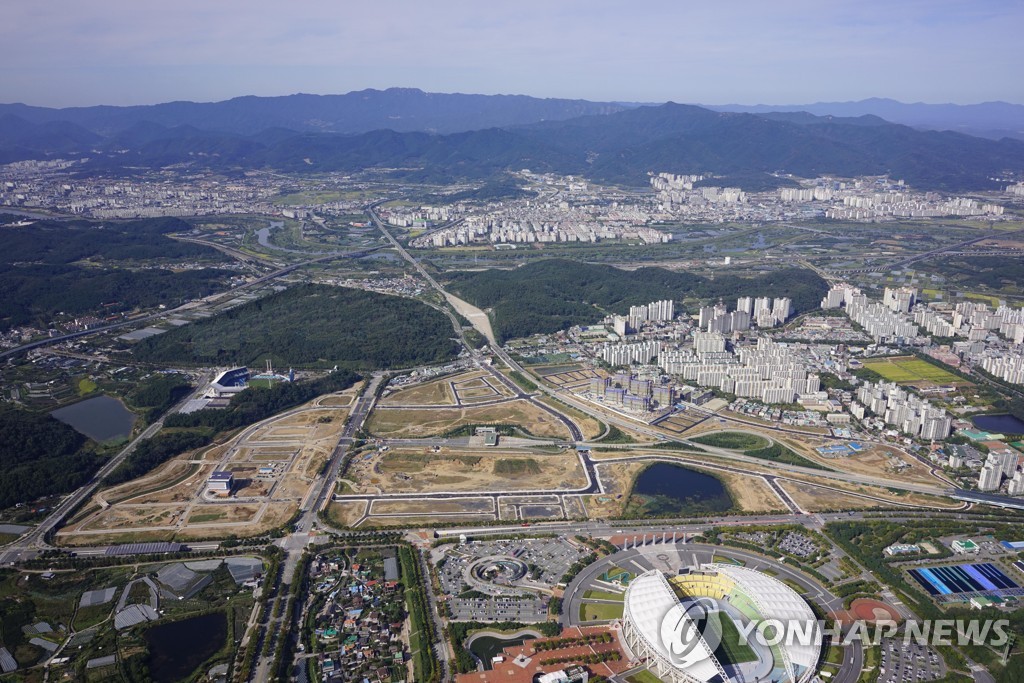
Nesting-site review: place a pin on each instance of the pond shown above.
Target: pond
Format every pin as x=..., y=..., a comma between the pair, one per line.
x=486, y=647
x=664, y=490
x=999, y=424
x=103, y=418
x=180, y=647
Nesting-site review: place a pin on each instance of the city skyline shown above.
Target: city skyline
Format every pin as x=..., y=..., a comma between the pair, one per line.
x=793, y=52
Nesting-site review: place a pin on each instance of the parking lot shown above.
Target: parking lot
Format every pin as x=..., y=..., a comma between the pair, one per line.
x=524, y=599
x=908, y=662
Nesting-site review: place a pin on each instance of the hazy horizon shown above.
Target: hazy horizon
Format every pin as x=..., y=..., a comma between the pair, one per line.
x=518, y=94
x=114, y=52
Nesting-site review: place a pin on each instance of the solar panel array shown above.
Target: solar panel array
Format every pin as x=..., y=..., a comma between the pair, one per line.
x=145, y=548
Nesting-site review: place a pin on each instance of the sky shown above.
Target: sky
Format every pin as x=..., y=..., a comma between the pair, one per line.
x=62, y=53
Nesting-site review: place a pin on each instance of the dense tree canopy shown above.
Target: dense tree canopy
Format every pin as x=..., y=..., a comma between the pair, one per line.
x=315, y=326
x=553, y=294
x=49, y=267
x=40, y=455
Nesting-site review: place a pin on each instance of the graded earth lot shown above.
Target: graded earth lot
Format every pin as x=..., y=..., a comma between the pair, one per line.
x=411, y=423
x=274, y=464
x=405, y=470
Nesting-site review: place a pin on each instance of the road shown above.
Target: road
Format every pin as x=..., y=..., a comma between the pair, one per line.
x=295, y=543
x=29, y=545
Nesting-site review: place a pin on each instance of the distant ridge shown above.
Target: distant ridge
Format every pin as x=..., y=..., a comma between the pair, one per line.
x=610, y=143
x=400, y=109
x=993, y=120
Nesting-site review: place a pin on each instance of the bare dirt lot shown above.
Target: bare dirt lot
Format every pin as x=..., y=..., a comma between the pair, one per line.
x=437, y=392
x=172, y=498
x=422, y=470
x=412, y=423
x=426, y=507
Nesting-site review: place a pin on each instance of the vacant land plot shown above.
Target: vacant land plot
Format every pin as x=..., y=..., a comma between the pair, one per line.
x=679, y=423
x=437, y=392
x=209, y=514
x=170, y=499
x=910, y=370
x=413, y=470
x=412, y=422
x=346, y=514
x=878, y=460
x=817, y=499
x=589, y=426
x=428, y=507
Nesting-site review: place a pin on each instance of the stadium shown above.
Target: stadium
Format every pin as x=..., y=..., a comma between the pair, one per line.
x=687, y=628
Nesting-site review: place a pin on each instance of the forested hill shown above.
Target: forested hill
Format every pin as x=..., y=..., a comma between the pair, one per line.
x=40, y=455
x=312, y=326
x=50, y=266
x=554, y=294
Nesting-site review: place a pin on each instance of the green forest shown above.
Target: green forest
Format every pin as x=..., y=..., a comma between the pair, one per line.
x=997, y=273
x=49, y=267
x=554, y=294
x=312, y=326
x=40, y=455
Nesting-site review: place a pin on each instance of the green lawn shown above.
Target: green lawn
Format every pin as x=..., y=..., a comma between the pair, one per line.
x=736, y=440
x=603, y=595
x=590, y=611
x=732, y=649
x=644, y=676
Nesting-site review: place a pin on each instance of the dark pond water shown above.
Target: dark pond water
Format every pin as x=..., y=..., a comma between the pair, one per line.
x=486, y=647
x=664, y=489
x=178, y=648
x=102, y=418
x=999, y=424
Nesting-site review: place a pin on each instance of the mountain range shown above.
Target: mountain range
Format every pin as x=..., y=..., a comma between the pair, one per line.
x=993, y=120
x=438, y=137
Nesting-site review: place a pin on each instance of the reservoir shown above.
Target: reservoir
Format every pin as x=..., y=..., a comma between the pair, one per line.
x=664, y=490
x=178, y=648
x=102, y=418
x=999, y=424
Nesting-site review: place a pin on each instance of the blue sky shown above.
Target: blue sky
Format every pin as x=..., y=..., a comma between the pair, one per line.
x=74, y=52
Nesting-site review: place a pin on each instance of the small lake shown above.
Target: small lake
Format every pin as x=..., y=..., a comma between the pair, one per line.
x=103, y=418
x=487, y=647
x=180, y=647
x=999, y=424
x=664, y=490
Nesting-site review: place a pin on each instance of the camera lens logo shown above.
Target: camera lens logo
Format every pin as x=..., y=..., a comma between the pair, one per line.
x=682, y=629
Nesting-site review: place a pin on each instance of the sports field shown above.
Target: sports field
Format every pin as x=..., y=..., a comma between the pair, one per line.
x=909, y=370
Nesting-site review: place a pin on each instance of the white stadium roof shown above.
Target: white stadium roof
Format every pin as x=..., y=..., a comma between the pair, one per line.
x=653, y=616
x=776, y=600
x=648, y=602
